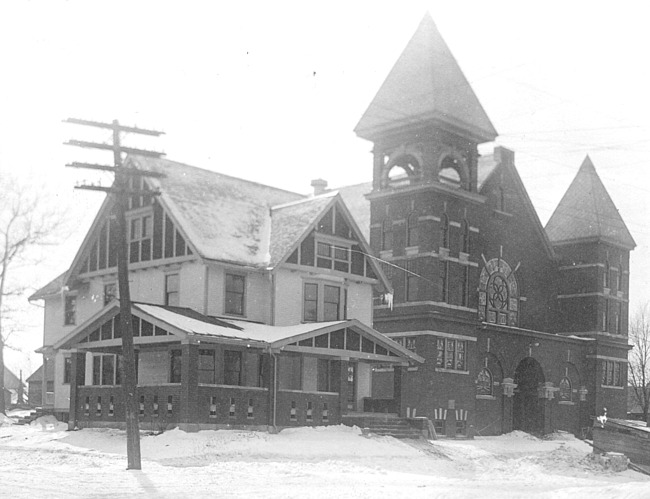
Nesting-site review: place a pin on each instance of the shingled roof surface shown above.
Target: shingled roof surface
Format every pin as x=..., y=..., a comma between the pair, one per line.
x=226, y=218
x=289, y=222
x=425, y=83
x=50, y=288
x=587, y=212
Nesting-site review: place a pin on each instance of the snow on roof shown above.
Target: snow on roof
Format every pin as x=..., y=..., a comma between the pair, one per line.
x=243, y=330
x=289, y=222
x=51, y=288
x=225, y=218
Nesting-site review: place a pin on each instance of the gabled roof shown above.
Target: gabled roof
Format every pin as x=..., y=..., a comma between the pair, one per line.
x=226, y=218
x=187, y=324
x=586, y=212
x=425, y=84
x=52, y=288
x=290, y=222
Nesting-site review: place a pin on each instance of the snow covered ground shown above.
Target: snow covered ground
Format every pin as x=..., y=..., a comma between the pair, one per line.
x=44, y=460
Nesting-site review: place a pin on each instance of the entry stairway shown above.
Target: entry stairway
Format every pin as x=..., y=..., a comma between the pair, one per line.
x=32, y=416
x=385, y=424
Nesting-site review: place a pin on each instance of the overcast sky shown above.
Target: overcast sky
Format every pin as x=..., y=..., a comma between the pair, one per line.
x=271, y=91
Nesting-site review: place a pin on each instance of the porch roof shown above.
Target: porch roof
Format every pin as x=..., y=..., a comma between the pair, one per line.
x=189, y=325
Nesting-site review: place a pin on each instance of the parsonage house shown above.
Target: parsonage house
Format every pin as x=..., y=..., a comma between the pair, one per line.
x=256, y=306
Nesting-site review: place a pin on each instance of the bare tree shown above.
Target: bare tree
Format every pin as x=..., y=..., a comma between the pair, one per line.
x=639, y=358
x=25, y=223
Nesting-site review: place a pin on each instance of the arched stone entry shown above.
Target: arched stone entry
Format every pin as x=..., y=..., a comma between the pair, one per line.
x=528, y=408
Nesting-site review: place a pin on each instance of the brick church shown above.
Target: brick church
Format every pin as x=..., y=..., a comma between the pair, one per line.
x=522, y=326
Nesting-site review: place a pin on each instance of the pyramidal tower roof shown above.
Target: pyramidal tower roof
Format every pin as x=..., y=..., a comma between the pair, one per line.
x=426, y=84
x=586, y=212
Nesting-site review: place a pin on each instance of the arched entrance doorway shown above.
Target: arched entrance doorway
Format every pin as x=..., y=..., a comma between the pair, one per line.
x=528, y=409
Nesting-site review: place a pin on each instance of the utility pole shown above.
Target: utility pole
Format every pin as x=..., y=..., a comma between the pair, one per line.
x=122, y=191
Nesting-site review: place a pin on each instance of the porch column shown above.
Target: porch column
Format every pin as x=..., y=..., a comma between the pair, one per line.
x=343, y=386
x=270, y=374
x=189, y=387
x=397, y=388
x=44, y=384
x=77, y=378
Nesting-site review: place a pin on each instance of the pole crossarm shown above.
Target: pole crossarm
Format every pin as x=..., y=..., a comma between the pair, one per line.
x=127, y=171
x=115, y=190
x=115, y=148
x=114, y=126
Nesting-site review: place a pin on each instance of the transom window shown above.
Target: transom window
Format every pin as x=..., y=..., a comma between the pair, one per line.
x=451, y=354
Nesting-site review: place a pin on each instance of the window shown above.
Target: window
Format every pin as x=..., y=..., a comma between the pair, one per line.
x=484, y=382
x=612, y=373
x=175, y=366
x=110, y=292
x=606, y=275
x=464, y=237
x=387, y=236
x=323, y=373
x=412, y=230
x=172, y=290
x=565, y=390
x=207, y=367
x=329, y=256
x=310, y=307
x=444, y=281
x=619, y=278
x=323, y=302
x=67, y=370
x=106, y=369
x=464, y=299
x=451, y=354
x=412, y=281
x=70, y=314
x=606, y=316
x=444, y=231
x=232, y=367
x=140, y=234
x=235, y=294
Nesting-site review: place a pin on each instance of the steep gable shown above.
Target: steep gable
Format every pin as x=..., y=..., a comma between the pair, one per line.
x=586, y=212
x=425, y=84
x=225, y=218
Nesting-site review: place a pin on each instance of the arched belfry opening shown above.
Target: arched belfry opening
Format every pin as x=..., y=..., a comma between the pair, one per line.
x=528, y=407
x=453, y=172
x=402, y=171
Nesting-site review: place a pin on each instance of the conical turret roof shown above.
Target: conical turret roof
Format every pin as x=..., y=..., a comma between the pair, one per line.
x=587, y=212
x=426, y=84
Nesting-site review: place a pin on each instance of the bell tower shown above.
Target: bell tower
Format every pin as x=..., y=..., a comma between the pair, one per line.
x=425, y=121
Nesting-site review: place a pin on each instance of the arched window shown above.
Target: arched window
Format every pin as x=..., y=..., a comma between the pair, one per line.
x=464, y=237
x=444, y=231
x=402, y=171
x=565, y=390
x=498, y=294
x=449, y=173
x=412, y=230
x=387, y=235
x=606, y=275
x=484, y=382
x=465, y=290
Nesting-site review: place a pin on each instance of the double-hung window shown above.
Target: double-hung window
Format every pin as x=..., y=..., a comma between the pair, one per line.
x=70, y=313
x=235, y=294
x=232, y=367
x=172, y=290
x=207, y=366
x=323, y=302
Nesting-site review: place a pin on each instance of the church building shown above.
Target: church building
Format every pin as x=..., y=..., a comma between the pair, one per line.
x=521, y=326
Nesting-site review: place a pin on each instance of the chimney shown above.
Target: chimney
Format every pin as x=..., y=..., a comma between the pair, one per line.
x=319, y=185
